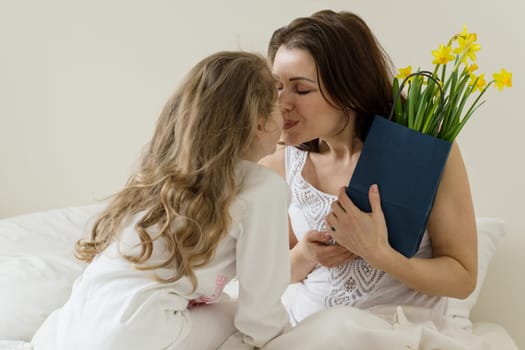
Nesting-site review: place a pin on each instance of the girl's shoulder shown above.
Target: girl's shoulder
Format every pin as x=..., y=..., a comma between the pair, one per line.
x=261, y=189
x=276, y=161
x=256, y=176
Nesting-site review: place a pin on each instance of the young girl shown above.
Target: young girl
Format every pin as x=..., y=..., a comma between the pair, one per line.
x=197, y=213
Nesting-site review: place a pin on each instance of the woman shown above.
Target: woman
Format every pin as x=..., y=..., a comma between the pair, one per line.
x=333, y=78
x=197, y=213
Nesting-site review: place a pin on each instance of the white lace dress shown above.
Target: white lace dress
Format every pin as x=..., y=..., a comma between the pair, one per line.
x=356, y=283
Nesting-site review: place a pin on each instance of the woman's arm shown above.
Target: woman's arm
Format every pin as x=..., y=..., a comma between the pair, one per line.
x=452, y=270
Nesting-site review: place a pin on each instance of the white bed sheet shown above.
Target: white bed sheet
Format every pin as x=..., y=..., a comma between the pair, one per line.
x=495, y=336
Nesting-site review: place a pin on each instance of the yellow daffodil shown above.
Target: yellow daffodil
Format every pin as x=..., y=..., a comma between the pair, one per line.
x=404, y=72
x=467, y=49
x=479, y=82
x=502, y=79
x=467, y=46
x=442, y=55
x=472, y=68
x=466, y=35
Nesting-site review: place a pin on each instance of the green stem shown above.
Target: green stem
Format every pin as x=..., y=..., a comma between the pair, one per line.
x=475, y=105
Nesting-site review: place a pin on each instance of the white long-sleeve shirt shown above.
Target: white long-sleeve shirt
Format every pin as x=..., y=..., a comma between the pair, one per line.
x=115, y=306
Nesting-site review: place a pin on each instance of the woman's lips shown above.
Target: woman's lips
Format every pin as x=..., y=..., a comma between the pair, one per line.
x=289, y=124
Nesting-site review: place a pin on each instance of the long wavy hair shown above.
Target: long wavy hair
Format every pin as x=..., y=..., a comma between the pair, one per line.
x=188, y=170
x=356, y=71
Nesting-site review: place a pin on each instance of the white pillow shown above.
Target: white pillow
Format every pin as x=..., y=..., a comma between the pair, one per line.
x=37, y=266
x=490, y=232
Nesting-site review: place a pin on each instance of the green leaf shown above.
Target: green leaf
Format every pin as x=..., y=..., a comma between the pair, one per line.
x=418, y=100
x=425, y=102
x=398, y=108
x=460, y=126
x=448, y=111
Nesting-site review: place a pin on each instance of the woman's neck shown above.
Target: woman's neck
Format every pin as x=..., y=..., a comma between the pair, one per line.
x=341, y=146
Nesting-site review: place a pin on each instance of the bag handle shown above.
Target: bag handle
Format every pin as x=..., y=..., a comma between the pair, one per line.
x=429, y=75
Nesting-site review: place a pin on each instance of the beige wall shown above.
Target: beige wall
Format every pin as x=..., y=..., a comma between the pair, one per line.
x=82, y=83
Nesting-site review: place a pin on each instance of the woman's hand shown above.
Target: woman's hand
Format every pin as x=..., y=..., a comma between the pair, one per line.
x=451, y=271
x=316, y=247
x=365, y=234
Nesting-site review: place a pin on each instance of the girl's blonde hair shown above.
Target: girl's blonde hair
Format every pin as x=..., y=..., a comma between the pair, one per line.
x=187, y=171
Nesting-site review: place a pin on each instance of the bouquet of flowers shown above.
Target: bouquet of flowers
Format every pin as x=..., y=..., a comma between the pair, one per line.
x=406, y=156
x=437, y=103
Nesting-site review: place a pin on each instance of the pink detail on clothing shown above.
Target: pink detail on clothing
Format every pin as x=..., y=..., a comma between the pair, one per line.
x=220, y=282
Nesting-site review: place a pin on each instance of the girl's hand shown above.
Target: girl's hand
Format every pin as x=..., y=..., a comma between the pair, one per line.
x=365, y=234
x=317, y=248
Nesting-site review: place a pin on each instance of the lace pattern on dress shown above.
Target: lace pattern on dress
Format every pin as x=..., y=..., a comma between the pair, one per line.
x=351, y=281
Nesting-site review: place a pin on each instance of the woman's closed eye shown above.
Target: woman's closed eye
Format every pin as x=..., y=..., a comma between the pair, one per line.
x=302, y=91
x=303, y=88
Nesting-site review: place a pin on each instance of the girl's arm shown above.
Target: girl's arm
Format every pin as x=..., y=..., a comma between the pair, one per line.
x=262, y=259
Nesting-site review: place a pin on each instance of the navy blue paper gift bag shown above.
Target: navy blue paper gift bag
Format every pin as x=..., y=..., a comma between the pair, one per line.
x=407, y=167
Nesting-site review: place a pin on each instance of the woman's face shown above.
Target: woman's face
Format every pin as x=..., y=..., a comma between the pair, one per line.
x=307, y=114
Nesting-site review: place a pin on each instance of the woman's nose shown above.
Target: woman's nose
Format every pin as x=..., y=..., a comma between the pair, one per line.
x=285, y=101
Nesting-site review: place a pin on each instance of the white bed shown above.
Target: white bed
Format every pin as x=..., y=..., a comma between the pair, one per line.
x=37, y=269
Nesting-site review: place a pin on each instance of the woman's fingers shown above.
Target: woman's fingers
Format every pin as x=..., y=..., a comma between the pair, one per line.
x=317, y=236
x=375, y=199
x=322, y=252
x=345, y=202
